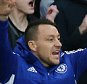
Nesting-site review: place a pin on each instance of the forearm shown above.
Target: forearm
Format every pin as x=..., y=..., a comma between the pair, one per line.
x=6, y=59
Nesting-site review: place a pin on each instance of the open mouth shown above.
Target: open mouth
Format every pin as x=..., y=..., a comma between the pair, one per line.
x=31, y=3
x=55, y=53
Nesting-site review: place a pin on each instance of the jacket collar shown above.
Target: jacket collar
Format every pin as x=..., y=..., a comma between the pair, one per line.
x=23, y=50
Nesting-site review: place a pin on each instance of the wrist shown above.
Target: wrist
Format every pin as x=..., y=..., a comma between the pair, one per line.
x=50, y=18
x=3, y=17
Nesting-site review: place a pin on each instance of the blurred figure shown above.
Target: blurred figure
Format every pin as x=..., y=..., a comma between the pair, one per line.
x=18, y=19
x=72, y=23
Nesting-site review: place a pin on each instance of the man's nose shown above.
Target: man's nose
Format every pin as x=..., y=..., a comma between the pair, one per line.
x=58, y=43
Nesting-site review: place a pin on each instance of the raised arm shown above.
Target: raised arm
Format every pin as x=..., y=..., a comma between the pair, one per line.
x=52, y=12
x=7, y=60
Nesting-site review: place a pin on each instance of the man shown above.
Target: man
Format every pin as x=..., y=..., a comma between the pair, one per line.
x=43, y=62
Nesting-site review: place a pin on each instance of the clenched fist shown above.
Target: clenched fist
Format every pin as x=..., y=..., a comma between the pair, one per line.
x=6, y=7
x=52, y=12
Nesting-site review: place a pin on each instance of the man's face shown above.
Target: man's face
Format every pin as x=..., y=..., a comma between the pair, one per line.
x=26, y=6
x=48, y=45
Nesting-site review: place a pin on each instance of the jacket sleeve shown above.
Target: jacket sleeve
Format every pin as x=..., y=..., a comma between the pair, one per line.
x=78, y=60
x=7, y=58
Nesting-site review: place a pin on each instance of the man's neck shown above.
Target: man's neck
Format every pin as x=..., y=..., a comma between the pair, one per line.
x=19, y=19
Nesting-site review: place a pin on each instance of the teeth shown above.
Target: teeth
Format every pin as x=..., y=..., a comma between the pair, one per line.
x=55, y=53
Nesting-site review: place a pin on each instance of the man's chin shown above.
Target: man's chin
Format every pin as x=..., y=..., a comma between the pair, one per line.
x=56, y=62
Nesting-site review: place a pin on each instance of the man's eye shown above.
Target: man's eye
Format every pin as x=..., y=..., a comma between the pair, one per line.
x=51, y=39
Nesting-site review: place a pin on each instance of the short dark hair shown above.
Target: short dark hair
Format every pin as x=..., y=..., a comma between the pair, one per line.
x=32, y=29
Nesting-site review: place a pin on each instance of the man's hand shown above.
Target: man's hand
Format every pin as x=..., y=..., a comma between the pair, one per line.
x=52, y=12
x=5, y=8
x=83, y=26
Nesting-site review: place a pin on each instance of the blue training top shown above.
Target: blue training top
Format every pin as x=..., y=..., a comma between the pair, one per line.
x=22, y=67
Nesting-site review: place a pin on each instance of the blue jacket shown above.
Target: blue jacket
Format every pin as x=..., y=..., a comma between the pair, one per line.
x=22, y=67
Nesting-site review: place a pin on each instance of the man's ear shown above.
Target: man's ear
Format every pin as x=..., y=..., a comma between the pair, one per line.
x=32, y=45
